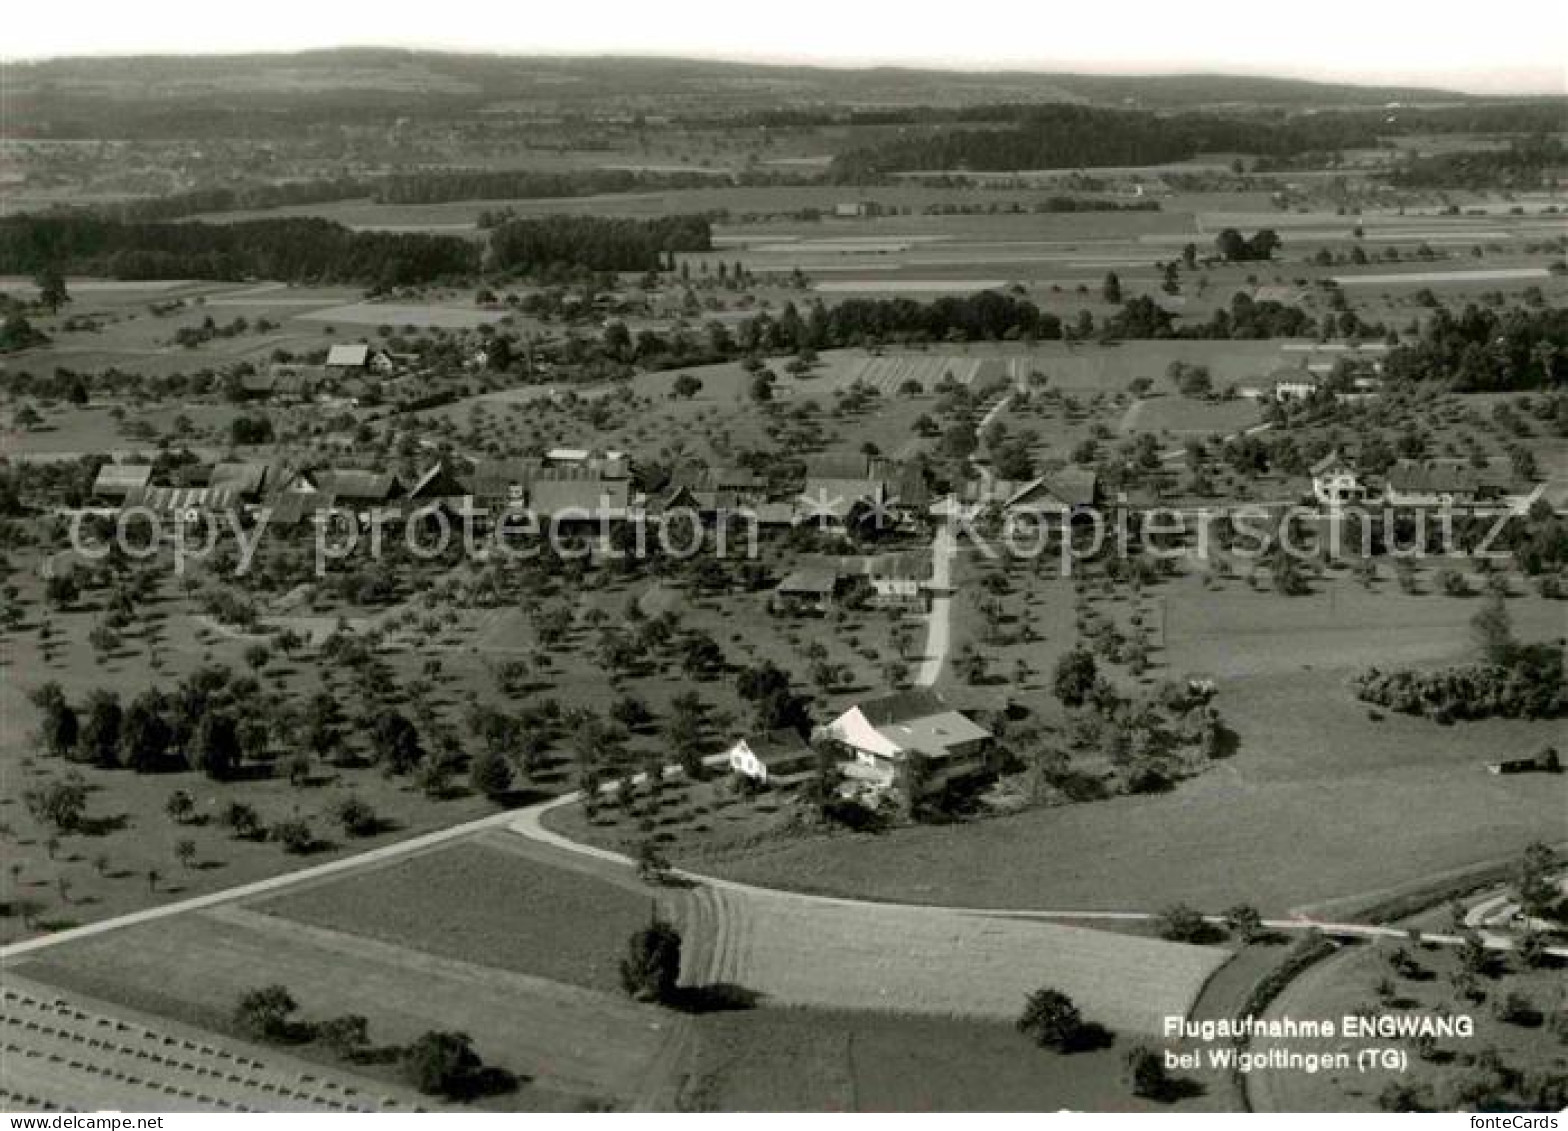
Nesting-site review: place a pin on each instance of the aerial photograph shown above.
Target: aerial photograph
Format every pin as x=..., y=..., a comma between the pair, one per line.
x=846, y=558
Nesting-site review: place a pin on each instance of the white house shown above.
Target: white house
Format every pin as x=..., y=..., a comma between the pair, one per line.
x=919, y=727
x=776, y=757
x=1335, y=482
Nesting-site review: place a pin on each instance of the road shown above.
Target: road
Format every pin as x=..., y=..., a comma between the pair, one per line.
x=939, y=619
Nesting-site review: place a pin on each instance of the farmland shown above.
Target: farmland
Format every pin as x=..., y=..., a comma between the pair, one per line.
x=431, y=775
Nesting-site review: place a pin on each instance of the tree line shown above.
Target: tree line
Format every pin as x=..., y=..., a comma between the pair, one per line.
x=1528, y=163
x=596, y=243
x=292, y=249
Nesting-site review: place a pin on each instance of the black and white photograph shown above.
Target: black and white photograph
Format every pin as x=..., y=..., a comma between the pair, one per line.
x=656, y=559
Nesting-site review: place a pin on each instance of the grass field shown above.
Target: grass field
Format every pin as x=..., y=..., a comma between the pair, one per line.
x=811, y=1060
x=478, y=902
x=1348, y=981
x=918, y=960
x=1325, y=797
x=576, y=1046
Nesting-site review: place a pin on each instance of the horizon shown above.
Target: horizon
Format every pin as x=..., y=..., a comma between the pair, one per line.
x=1341, y=43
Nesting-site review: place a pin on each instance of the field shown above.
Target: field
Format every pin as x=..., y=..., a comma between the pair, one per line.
x=1348, y=981
x=920, y=960
x=1315, y=771
x=772, y=1059
x=402, y=970
x=543, y=921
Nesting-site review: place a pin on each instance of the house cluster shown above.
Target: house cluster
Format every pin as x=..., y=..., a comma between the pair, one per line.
x=819, y=582
x=1429, y=483
x=912, y=742
x=350, y=372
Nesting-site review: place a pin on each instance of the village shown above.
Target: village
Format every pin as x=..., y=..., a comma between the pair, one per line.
x=702, y=588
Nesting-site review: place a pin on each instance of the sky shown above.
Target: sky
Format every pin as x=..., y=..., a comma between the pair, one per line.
x=1501, y=46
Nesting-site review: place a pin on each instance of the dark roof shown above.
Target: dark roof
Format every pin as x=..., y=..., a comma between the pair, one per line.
x=354, y=485
x=292, y=508
x=1069, y=487
x=839, y=466
x=902, y=706
x=811, y=581
x=245, y=478
x=777, y=749
x=551, y=496
x=496, y=477
x=1333, y=459
x=437, y=482
x=1448, y=476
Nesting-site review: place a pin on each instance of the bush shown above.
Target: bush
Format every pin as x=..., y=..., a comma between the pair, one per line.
x=445, y=1064
x=356, y=817
x=266, y=1014
x=1146, y=1074
x=1180, y=923
x=1052, y=1021
x=294, y=834
x=652, y=965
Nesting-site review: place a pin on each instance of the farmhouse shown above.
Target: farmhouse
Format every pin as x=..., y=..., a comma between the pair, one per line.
x=1295, y=383
x=805, y=591
x=247, y=479
x=579, y=498
x=898, y=581
x=840, y=490
x=502, y=484
x=115, y=481
x=356, y=488
x=1335, y=481
x=913, y=735
x=1449, y=482
x=775, y=757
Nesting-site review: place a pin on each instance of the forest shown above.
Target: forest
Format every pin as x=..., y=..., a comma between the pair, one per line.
x=596, y=243
x=1484, y=351
x=293, y=250
x=1066, y=136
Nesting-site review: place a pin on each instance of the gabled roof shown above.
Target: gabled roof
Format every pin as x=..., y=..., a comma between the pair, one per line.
x=292, y=508
x=494, y=477
x=550, y=496
x=1069, y=487
x=838, y=466
x=780, y=749
x=1329, y=462
x=921, y=721
x=118, y=478
x=811, y=582
x=349, y=355
x=354, y=485
x=903, y=706
x=1446, y=476
x=437, y=482
x=243, y=477
x=1294, y=375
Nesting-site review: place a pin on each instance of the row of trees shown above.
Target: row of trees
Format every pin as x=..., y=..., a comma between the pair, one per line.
x=1059, y=136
